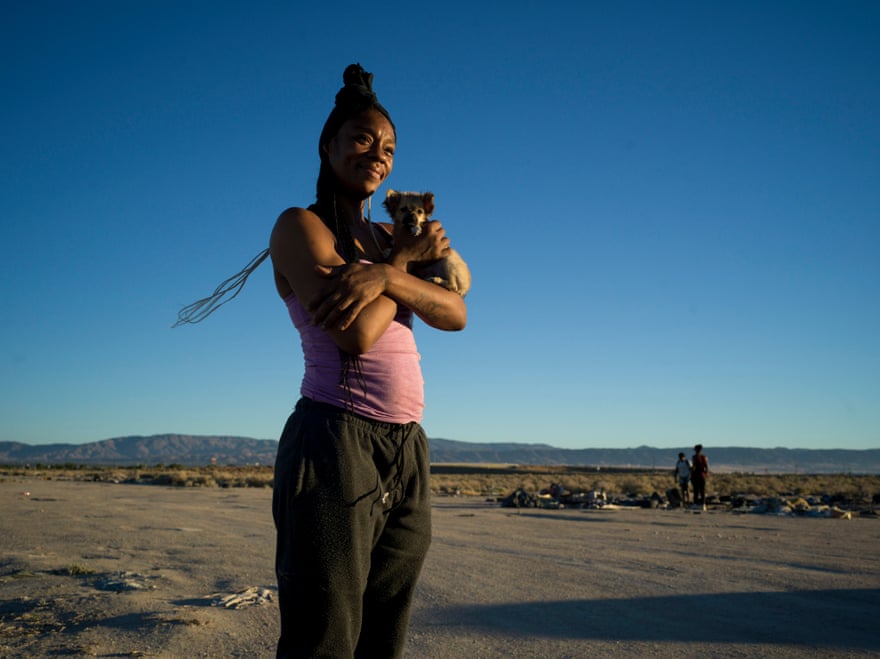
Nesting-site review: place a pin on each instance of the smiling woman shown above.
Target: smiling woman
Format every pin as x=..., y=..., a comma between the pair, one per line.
x=351, y=498
x=351, y=482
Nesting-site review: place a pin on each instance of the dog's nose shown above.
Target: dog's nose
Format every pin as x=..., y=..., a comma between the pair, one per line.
x=411, y=219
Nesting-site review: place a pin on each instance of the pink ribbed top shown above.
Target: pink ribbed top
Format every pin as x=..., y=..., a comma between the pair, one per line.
x=390, y=387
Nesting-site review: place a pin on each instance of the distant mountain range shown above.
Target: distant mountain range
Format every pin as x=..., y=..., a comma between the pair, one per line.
x=196, y=450
x=188, y=450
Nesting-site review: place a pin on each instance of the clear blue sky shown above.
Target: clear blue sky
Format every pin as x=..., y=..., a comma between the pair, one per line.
x=671, y=211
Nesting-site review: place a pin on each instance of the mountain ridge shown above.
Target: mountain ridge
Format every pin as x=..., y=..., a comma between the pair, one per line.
x=200, y=450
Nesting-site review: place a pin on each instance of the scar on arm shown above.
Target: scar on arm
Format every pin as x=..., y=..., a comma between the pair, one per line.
x=426, y=304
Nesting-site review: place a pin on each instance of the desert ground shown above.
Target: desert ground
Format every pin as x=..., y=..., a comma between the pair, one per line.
x=121, y=570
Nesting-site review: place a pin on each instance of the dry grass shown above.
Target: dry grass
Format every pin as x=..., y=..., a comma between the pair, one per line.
x=497, y=480
x=486, y=479
x=177, y=475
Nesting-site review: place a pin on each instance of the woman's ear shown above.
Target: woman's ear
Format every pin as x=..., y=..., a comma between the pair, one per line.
x=325, y=147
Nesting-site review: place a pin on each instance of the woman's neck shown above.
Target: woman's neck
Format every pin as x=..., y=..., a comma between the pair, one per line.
x=350, y=211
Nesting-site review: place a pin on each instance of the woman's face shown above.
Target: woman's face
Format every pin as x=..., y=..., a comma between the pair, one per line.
x=362, y=152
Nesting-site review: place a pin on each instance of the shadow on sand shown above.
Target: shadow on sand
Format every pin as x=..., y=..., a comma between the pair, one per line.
x=828, y=618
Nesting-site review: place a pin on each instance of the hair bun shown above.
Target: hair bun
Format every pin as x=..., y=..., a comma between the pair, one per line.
x=354, y=74
x=358, y=89
x=355, y=97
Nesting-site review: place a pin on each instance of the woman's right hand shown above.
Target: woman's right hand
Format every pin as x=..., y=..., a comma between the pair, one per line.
x=348, y=290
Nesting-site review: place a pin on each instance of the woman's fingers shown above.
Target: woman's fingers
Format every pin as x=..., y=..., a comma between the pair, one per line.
x=348, y=290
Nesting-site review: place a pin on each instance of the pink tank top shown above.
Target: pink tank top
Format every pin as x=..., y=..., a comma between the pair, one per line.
x=389, y=386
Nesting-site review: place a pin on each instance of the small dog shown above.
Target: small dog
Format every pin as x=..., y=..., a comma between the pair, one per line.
x=412, y=210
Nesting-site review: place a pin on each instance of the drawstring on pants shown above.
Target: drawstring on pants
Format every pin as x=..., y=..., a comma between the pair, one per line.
x=396, y=482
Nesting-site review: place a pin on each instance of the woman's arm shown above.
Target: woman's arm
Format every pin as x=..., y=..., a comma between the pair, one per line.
x=301, y=246
x=350, y=287
x=436, y=306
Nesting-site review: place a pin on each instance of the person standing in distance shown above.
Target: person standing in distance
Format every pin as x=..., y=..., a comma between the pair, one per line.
x=699, y=474
x=683, y=476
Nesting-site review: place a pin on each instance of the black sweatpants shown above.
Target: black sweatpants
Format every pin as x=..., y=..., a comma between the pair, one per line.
x=352, y=510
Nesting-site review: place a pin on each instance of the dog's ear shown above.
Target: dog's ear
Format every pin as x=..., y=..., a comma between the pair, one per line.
x=428, y=201
x=392, y=201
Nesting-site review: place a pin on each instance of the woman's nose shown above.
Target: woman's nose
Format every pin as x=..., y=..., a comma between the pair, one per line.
x=378, y=152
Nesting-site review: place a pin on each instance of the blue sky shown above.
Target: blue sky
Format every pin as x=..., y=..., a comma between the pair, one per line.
x=671, y=212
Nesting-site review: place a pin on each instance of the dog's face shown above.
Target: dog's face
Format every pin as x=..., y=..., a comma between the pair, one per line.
x=411, y=209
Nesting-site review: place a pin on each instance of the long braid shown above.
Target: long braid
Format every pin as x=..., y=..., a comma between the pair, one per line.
x=351, y=364
x=353, y=99
x=344, y=236
x=226, y=291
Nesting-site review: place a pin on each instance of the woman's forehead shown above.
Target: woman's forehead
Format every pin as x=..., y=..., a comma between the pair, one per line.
x=371, y=120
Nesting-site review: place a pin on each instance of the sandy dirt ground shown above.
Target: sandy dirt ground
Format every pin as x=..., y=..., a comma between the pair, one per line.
x=98, y=569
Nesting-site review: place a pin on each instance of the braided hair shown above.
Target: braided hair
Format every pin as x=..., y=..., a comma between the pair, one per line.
x=354, y=98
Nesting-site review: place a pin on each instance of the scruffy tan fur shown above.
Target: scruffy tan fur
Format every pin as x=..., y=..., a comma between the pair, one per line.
x=412, y=210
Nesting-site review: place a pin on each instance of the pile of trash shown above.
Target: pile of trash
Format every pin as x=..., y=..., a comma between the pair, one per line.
x=557, y=497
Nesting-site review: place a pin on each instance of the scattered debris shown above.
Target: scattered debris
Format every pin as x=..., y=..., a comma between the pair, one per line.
x=554, y=498
x=557, y=497
x=121, y=581
x=248, y=597
x=800, y=506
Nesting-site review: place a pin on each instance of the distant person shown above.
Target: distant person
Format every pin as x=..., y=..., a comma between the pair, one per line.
x=351, y=498
x=699, y=474
x=683, y=476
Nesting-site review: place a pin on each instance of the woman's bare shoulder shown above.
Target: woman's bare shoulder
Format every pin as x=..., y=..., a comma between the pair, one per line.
x=296, y=215
x=299, y=240
x=296, y=221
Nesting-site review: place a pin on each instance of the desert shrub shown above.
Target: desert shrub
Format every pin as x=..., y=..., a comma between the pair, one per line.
x=201, y=480
x=258, y=481
x=76, y=570
x=493, y=480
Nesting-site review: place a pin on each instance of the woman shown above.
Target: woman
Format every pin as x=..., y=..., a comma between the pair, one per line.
x=351, y=499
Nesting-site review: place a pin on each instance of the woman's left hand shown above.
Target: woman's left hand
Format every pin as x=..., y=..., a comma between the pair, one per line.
x=429, y=246
x=349, y=288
